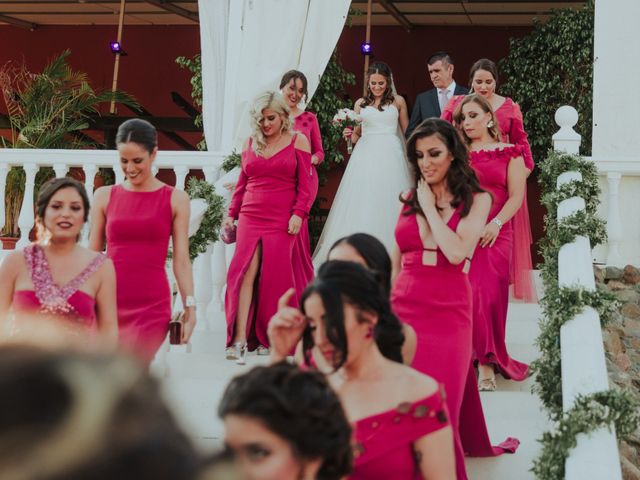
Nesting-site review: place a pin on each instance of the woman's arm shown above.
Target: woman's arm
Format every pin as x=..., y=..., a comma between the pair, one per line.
x=516, y=182
x=181, y=261
x=395, y=262
x=435, y=455
x=357, y=131
x=403, y=117
x=97, y=235
x=241, y=186
x=106, y=306
x=456, y=246
x=9, y=269
x=317, y=152
x=303, y=174
x=518, y=136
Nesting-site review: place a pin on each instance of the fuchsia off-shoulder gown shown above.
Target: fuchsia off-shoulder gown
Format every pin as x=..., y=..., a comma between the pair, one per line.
x=268, y=192
x=511, y=125
x=307, y=124
x=383, y=447
x=490, y=273
x=75, y=309
x=436, y=300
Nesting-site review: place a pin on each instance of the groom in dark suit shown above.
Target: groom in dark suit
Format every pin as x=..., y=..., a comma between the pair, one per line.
x=430, y=103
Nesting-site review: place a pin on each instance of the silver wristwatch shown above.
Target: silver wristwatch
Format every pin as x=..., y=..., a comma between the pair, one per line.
x=189, y=301
x=497, y=221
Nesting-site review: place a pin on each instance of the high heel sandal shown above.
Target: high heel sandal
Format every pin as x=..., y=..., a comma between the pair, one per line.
x=236, y=352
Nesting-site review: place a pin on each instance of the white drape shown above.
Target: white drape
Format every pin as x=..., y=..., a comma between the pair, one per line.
x=255, y=42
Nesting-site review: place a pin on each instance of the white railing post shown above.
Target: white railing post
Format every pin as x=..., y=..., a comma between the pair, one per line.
x=181, y=172
x=4, y=171
x=584, y=370
x=60, y=169
x=26, y=217
x=614, y=220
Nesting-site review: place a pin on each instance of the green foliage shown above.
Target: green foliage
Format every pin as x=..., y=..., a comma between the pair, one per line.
x=561, y=304
x=194, y=65
x=551, y=67
x=210, y=227
x=231, y=161
x=47, y=110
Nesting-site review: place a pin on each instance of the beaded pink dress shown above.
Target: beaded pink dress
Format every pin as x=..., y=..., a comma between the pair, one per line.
x=68, y=303
x=436, y=300
x=268, y=192
x=383, y=447
x=307, y=124
x=511, y=125
x=138, y=229
x=490, y=273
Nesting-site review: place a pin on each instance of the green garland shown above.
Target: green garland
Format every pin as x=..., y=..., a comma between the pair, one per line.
x=561, y=304
x=231, y=161
x=208, y=231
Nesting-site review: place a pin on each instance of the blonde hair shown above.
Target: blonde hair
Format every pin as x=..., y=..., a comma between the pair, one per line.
x=494, y=130
x=274, y=101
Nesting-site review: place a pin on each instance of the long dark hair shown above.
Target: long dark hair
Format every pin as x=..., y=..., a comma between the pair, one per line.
x=486, y=65
x=300, y=407
x=383, y=69
x=461, y=179
x=138, y=131
x=339, y=283
x=296, y=75
x=48, y=190
x=373, y=253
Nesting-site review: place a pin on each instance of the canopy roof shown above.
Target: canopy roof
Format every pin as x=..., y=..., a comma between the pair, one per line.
x=31, y=13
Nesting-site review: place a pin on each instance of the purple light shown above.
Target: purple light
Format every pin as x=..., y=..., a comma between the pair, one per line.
x=116, y=47
x=365, y=48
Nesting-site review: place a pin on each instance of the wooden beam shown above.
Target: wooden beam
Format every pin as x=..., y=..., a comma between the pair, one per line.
x=170, y=7
x=395, y=13
x=16, y=22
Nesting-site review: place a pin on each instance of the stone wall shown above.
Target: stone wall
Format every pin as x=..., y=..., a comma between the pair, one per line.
x=622, y=349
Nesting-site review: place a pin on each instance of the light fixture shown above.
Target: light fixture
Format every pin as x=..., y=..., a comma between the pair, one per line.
x=365, y=48
x=116, y=48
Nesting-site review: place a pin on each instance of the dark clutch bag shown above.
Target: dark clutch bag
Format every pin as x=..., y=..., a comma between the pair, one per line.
x=175, y=329
x=228, y=235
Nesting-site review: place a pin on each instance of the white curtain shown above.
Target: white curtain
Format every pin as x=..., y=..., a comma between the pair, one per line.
x=257, y=41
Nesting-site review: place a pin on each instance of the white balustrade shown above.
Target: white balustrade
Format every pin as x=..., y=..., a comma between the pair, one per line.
x=581, y=349
x=4, y=171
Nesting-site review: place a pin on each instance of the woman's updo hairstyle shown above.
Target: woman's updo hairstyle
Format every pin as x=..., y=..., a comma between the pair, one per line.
x=300, y=407
x=138, y=131
x=339, y=283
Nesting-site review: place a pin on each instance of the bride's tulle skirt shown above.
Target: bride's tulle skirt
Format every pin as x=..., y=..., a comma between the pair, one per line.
x=367, y=200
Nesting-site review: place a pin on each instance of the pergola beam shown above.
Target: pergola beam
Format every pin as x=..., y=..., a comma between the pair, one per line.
x=16, y=22
x=170, y=7
x=395, y=13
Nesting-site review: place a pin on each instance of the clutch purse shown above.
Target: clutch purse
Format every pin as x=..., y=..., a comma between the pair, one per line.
x=228, y=235
x=175, y=329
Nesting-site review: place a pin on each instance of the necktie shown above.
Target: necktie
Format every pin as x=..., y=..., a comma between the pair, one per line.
x=443, y=98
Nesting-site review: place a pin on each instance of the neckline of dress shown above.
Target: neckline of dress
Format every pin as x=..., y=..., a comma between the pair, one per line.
x=400, y=406
x=279, y=151
x=383, y=108
x=142, y=191
x=47, y=268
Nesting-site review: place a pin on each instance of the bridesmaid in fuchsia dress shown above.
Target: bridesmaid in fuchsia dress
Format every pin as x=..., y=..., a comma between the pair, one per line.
x=270, y=201
x=136, y=219
x=501, y=170
x=436, y=235
x=294, y=87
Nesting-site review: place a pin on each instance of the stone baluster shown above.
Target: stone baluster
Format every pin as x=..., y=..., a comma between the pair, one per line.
x=4, y=171
x=26, y=218
x=60, y=169
x=181, y=172
x=614, y=220
x=118, y=173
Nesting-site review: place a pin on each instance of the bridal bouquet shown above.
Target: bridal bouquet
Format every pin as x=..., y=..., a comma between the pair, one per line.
x=347, y=118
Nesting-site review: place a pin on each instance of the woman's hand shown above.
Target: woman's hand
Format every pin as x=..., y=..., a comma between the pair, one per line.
x=295, y=222
x=347, y=132
x=489, y=234
x=285, y=328
x=188, y=324
x=228, y=222
x=229, y=186
x=314, y=160
x=426, y=198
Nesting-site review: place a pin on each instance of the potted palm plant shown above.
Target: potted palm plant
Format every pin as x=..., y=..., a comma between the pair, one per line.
x=47, y=110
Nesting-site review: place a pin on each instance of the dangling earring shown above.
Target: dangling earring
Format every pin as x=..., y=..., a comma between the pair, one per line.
x=490, y=124
x=369, y=333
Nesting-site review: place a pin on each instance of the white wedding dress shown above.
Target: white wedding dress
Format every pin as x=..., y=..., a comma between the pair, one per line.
x=377, y=173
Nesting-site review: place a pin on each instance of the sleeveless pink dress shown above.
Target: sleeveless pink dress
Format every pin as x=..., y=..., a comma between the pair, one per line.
x=436, y=300
x=307, y=124
x=491, y=265
x=383, y=447
x=75, y=308
x=511, y=125
x=138, y=229
x=268, y=192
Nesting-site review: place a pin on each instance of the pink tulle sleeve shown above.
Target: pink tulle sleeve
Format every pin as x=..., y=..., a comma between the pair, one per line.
x=518, y=136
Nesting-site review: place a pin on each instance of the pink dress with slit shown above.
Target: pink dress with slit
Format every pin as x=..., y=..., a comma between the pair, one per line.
x=490, y=273
x=307, y=124
x=383, y=447
x=138, y=229
x=511, y=125
x=73, y=308
x=436, y=300
x=268, y=192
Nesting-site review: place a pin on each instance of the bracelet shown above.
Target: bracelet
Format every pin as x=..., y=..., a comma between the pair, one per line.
x=189, y=301
x=497, y=221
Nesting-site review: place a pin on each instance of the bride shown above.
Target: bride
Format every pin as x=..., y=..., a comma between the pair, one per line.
x=367, y=199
